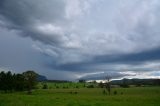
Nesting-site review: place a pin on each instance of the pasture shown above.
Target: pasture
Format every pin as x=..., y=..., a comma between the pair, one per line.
x=134, y=96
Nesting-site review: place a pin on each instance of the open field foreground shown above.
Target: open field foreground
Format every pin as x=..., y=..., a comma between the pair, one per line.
x=138, y=96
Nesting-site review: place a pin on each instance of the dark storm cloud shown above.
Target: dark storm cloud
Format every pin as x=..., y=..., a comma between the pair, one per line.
x=133, y=58
x=130, y=59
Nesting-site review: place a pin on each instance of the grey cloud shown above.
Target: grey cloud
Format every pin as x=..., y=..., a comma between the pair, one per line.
x=48, y=23
x=27, y=16
x=17, y=53
x=109, y=60
x=112, y=75
x=75, y=35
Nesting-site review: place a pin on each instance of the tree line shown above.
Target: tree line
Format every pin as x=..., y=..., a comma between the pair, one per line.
x=18, y=82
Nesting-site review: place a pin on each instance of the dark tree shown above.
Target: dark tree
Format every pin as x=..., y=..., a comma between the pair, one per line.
x=19, y=82
x=6, y=81
x=30, y=80
x=9, y=81
x=82, y=81
x=2, y=81
x=94, y=82
x=125, y=83
x=101, y=84
x=45, y=86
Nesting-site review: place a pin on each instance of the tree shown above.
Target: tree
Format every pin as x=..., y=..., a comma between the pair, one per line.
x=30, y=78
x=125, y=83
x=45, y=86
x=9, y=81
x=94, y=82
x=101, y=84
x=6, y=81
x=19, y=82
x=2, y=81
x=82, y=81
x=108, y=83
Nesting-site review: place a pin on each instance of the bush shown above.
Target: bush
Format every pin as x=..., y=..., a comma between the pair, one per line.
x=104, y=91
x=100, y=85
x=82, y=81
x=84, y=85
x=76, y=92
x=121, y=93
x=115, y=92
x=90, y=86
x=45, y=86
x=124, y=85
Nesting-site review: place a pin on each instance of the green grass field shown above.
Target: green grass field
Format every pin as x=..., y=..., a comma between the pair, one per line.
x=137, y=96
x=52, y=85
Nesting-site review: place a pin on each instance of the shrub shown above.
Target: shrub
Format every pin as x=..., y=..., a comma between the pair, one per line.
x=90, y=86
x=76, y=92
x=124, y=85
x=45, y=86
x=77, y=86
x=115, y=92
x=100, y=85
x=104, y=91
x=121, y=93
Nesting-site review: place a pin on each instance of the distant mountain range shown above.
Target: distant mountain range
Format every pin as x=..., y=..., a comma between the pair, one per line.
x=42, y=78
x=114, y=82
x=137, y=81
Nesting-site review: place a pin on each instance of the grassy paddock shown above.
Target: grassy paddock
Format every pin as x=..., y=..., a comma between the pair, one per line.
x=139, y=96
x=52, y=85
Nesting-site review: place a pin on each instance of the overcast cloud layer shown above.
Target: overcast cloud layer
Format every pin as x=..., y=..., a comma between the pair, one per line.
x=71, y=39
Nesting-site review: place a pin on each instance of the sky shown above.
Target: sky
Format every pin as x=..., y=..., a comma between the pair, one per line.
x=81, y=39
